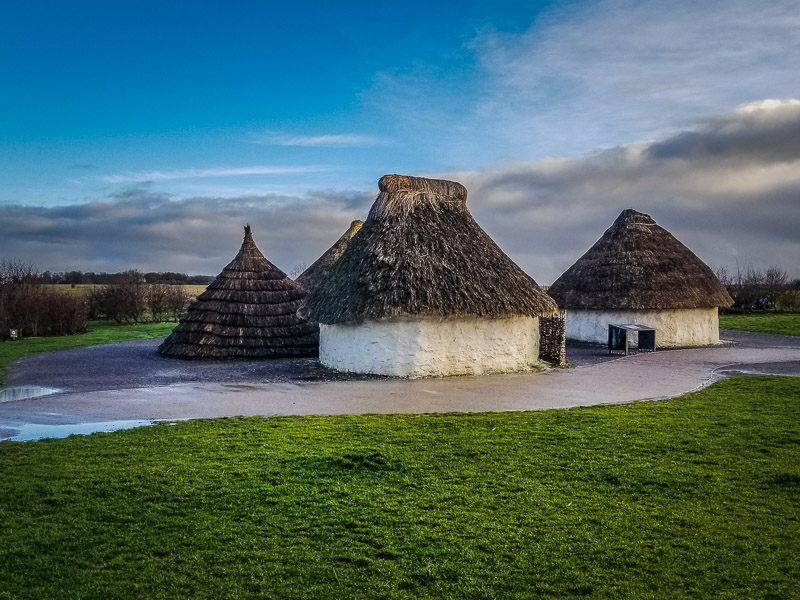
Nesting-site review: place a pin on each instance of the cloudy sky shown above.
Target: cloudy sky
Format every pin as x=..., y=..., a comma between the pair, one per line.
x=145, y=134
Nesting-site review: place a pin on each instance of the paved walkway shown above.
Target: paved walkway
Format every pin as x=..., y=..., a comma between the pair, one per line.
x=204, y=390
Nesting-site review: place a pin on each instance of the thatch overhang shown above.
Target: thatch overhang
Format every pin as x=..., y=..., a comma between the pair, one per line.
x=421, y=254
x=638, y=265
x=248, y=311
x=319, y=271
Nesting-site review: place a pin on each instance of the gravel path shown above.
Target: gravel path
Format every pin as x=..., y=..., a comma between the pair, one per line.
x=131, y=382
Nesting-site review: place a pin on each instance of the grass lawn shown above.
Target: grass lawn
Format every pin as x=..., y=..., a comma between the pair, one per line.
x=100, y=332
x=695, y=497
x=785, y=323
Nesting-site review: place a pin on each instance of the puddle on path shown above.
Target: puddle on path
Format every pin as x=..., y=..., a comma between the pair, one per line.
x=33, y=431
x=24, y=392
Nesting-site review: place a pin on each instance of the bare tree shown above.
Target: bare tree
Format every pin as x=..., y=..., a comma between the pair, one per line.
x=753, y=289
x=776, y=285
x=297, y=270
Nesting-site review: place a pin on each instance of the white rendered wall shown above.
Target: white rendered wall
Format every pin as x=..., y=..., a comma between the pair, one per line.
x=674, y=327
x=431, y=346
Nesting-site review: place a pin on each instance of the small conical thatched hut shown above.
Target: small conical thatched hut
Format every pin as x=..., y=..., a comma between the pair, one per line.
x=639, y=273
x=422, y=290
x=248, y=311
x=318, y=272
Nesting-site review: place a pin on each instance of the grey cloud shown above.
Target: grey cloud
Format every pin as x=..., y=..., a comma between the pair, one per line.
x=150, y=231
x=727, y=202
x=753, y=135
x=731, y=202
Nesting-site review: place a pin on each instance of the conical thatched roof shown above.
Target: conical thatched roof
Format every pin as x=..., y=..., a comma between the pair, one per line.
x=314, y=275
x=420, y=253
x=248, y=311
x=638, y=265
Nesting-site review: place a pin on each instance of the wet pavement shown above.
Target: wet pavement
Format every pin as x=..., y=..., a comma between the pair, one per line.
x=137, y=364
x=131, y=382
x=23, y=392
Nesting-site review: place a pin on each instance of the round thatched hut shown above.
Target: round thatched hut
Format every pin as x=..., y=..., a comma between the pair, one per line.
x=318, y=272
x=248, y=311
x=423, y=290
x=639, y=273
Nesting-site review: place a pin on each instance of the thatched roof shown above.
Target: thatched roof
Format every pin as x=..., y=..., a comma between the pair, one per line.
x=248, y=311
x=420, y=253
x=318, y=272
x=638, y=265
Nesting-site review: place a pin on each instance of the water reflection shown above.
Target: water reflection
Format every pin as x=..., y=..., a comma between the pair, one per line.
x=33, y=431
x=24, y=392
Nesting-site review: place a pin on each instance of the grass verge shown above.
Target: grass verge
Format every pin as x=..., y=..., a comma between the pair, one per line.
x=100, y=332
x=785, y=323
x=695, y=497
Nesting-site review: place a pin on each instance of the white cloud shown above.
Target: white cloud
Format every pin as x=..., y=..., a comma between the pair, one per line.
x=769, y=104
x=141, y=176
x=340, y=140
x=615, y=70
x=597, y=74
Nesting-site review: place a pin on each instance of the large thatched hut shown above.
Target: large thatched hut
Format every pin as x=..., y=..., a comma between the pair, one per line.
x=423, y=290
x=637, y=272
x=318, y=272
x=248, y=311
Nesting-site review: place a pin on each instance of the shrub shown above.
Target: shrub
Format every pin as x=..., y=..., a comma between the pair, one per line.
x=123, y=302
x=33, y=309
x=165, y=302
x=133, y=301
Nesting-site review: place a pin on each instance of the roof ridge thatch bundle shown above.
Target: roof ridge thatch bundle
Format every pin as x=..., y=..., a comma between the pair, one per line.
x=638, y=265
x=318, y=272
x=248, y=311
x=420, y=253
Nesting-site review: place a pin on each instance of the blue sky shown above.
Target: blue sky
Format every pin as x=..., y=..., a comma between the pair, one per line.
x=109, y=93
x=165, y=126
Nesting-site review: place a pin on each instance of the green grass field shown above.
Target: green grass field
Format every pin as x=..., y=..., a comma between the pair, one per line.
x=84, y=289
x=80, y=289
x=100, y=332
x=785, y=323
x=695, y=497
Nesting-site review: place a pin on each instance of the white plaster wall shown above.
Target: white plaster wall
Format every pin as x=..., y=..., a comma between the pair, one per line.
x=674, y=328
x=431, y=346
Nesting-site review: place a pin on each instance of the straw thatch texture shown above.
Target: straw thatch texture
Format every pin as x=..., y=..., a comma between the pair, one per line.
x=318, y=272
x=638, y=265
x=248, y=311
x=420, y=253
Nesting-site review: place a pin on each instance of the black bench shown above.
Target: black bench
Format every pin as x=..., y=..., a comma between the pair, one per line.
x=618, y=338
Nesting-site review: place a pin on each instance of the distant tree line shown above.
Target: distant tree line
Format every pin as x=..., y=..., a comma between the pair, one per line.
x=91, y=278
x=755, y=290
x=32, y=309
